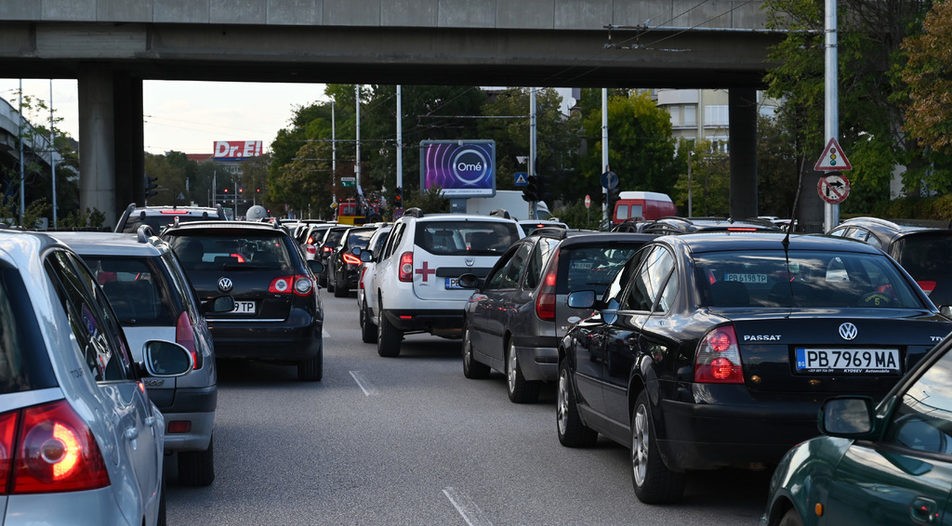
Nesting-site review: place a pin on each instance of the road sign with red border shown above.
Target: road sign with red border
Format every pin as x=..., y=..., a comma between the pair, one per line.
x=833, y=188
x=588, y=201
x=832, y=159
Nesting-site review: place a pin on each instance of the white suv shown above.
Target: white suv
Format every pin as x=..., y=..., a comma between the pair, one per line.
x=416, y=279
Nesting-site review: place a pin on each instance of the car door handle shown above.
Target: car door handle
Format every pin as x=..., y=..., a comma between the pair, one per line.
x=924, y=511
x=131, y=433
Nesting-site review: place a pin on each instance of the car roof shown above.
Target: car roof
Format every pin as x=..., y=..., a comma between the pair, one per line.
x=21, y=248
x=897, y=225
x=694, y=224
x=459, y=217
x=589, y=238
x=112, y=243
x=743, y=241
x=225, y=225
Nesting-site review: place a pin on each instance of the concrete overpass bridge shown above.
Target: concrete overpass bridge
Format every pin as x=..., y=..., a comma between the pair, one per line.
x=111, y=46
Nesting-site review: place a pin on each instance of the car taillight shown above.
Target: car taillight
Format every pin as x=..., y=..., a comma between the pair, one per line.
x=185, y=336
x=53, y=451
x=351, y=259
x=239, y=257
x=310, y=249
x=545, y=301
x=405, y=272
x=327, y=250
x=360, y=280
x=297, y=284
x=718, y=358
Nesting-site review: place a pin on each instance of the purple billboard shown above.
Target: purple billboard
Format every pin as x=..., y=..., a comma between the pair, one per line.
x=461, y=168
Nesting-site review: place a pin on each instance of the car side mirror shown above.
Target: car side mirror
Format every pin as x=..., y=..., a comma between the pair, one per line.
x=219, y=305
x=847, y=417
x=316, y=266
x=581, y=299
x=366, y=255
x=946, y=310
x=356, y=251
x=164, y=359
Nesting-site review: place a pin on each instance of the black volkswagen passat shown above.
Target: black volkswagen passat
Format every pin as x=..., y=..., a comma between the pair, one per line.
x=278, y=315
x=716, y=350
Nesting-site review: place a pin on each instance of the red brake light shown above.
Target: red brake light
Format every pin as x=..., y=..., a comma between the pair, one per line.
x=718, y=358
x=174, y=212
x=8, y=427
x=405, y=271
x=311, y=249
x=326, y=249
x=185, y=336
x=545, y=300
x=741, y=229
x=297, y=284
x=55, y=451
x=351, y=259
x=239, y=257
x=360, y=280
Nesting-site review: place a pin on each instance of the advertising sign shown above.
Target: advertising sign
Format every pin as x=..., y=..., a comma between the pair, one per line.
x=461, y=168
x=236, y=150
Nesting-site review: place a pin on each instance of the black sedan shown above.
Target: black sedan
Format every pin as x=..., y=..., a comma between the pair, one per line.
x=278, y=315
x=716, y=350
x=345, y=264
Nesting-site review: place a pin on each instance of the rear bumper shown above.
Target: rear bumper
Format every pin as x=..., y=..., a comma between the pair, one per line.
x=197, y=438
x=700, y=436
x=295, y=339
x=426, y=320
x=540, y=360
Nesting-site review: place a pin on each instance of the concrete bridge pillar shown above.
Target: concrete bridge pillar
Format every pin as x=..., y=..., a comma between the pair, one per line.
x=742, y=116
x=97, y=168
x=111, y=146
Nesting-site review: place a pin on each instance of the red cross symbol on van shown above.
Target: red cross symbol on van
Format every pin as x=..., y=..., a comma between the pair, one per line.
x=425, y=270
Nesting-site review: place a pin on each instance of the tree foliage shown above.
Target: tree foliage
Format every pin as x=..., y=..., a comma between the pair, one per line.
x=928, y=73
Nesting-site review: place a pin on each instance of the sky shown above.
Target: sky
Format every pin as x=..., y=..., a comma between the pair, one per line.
x=186, y=116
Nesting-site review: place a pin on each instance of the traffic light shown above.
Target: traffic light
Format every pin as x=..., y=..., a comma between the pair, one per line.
x=531, y=191
x=398, y=197
x=613, y=197
x=151, y=186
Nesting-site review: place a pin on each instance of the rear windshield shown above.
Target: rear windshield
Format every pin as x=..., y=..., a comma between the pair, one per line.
x=811, y=280
x=333, y=236
x=359, y=238
x=24, y=361
x=137, y=288
x=452, y=238
x=592, y=267
x=158, y=222
x=235, y=251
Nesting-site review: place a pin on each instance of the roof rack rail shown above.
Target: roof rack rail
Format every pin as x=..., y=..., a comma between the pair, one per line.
x=501, y=212
x=144, y=232
x=413, y=212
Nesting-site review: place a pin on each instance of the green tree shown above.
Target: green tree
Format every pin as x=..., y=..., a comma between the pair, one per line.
x=709, y=182
x=640, y=146
x=928, y=74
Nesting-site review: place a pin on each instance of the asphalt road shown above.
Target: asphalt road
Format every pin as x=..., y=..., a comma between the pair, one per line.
x=409, y=440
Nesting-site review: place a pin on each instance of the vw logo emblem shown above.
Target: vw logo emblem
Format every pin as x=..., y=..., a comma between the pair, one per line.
x=469, y=261
x=848, y=331
x=225, y=285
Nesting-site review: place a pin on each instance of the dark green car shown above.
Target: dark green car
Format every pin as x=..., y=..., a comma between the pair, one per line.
x=885, y=464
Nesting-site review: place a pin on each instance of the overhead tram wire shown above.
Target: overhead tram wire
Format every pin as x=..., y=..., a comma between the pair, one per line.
x=650, y=46
x=646, y=29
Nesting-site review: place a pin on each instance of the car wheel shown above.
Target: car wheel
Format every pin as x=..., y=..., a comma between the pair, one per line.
x=791, y=518
x=312, y=370
x=471, y=368
x=654, y=483
x=160, y=519
x=388, y=337
x=572, y=432
x=519, y=389
x=197, y=468
x=368, y=330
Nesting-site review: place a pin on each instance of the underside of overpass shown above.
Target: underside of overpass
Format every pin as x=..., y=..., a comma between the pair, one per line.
x=110, y=62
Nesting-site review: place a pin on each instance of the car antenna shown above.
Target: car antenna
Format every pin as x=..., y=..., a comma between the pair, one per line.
x=786, y=237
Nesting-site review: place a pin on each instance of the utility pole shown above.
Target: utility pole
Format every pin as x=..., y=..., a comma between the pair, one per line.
x=333, y=156
x=605, y=167
x=399, y=137
x=22, y=174
x=357, y=126
x=533, y=211
x=831, y=212
x=53, y=157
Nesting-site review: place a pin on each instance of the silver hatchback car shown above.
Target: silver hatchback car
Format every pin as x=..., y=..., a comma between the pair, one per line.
x=80, y=442
x=153, y=299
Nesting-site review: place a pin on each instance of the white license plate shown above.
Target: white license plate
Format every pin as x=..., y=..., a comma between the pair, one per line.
x=452, y=283
x=244, y=307
x=848, y=361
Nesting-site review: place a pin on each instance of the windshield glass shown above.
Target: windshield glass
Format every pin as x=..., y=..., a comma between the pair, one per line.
x=812, y=280
x=592, y=268
x=236, y=251
x=466, y=237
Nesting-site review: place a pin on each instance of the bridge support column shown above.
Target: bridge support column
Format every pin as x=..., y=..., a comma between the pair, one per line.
x=111, y=151
x=742, y=115
x=97, y=168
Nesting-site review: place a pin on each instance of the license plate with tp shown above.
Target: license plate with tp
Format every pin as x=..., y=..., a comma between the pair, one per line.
x=244, y=307
x=847, y=361
x=452, y=284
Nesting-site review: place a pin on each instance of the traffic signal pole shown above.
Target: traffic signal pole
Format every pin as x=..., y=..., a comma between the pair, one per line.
x=532, y=148
x=605, y=153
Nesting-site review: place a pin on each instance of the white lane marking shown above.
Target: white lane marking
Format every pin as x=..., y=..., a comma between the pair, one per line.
x=363, y=384
x=466, y=507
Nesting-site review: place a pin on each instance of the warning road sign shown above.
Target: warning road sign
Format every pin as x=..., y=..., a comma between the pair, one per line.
x=834, y=188
x=832, y=159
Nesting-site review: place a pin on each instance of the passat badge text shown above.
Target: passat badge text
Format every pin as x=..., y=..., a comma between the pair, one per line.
x=762, y=337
